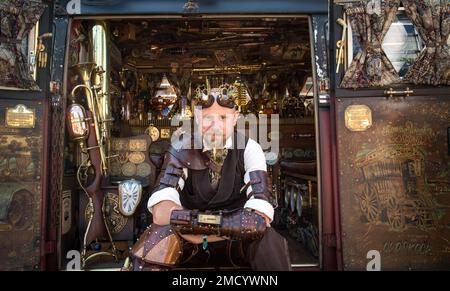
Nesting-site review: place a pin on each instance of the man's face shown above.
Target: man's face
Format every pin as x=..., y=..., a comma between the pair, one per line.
x=217, y=124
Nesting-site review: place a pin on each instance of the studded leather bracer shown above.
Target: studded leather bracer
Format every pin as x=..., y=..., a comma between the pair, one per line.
x=171, y=172
x=259, y=180
x=240, y=224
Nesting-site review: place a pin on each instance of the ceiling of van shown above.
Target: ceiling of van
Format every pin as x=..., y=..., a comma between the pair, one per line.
x=271, y=42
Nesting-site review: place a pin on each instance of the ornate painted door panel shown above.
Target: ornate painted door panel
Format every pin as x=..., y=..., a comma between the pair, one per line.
x=25, y=52
x=394, y=175
x=21, y=162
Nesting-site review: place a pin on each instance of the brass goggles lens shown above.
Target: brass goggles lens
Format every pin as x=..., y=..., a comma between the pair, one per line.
x=224, y=96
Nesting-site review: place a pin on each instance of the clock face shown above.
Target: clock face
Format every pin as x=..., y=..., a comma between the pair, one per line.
x=130, y=193
x=154, y=133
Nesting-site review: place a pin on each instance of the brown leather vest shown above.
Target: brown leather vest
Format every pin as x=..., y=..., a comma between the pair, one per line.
x=198, y=192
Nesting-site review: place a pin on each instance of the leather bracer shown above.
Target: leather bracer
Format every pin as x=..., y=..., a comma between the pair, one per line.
x=240, y=224
x=259, y=180
x=171, y=172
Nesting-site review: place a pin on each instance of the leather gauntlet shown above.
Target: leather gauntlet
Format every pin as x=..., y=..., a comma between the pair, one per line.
x=240, y=224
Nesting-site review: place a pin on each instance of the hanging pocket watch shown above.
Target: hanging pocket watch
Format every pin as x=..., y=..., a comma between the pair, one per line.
x=153, y=132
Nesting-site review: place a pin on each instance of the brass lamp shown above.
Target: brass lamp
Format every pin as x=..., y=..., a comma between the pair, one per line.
x=242, y=96
x=77, y=125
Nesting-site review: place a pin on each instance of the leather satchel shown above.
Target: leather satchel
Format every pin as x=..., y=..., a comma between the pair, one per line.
x=158, y=245
x=239, y=224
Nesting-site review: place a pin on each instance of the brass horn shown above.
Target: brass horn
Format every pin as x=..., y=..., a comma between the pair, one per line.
x=85, y=71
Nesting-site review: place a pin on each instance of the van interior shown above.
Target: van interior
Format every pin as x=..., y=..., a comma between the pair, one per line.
x=147, y=70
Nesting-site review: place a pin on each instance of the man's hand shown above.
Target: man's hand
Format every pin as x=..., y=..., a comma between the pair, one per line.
x=161, y=211
x=266, y=218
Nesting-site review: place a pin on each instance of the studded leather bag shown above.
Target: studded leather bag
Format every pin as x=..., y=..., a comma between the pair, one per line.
x=240, y=224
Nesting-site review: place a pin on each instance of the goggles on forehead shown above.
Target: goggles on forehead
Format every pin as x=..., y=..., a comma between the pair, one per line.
x=224, y=96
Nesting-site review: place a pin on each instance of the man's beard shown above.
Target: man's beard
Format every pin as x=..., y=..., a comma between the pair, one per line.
x=213, y=139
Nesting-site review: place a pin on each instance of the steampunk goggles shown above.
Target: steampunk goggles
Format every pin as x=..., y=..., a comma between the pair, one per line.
x=224, y=96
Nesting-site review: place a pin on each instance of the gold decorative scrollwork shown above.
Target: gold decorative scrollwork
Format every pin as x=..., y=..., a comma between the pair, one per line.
x=115, y=220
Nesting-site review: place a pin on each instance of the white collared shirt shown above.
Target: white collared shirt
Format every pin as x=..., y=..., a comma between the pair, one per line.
x=254, y=160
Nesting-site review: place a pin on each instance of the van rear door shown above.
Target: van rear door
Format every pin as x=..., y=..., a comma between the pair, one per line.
x=391, y=102
x=25, y=53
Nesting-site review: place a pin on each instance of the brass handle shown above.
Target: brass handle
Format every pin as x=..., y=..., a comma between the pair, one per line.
x=391, y=92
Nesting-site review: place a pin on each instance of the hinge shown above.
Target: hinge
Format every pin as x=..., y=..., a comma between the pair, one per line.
x=55, y=87
x=324, y=100
x=391, y=92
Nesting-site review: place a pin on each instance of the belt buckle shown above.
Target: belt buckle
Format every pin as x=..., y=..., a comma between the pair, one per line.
x=210, y=219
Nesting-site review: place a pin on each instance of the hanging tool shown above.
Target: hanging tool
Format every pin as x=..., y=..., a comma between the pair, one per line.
x=42, y=50
x=341, y=43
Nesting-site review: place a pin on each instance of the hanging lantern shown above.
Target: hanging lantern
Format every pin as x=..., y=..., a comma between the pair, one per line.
x=78, y=128
x=164, y=97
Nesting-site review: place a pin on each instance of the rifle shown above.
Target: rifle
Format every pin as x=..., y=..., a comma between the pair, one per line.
x=96, y=229
x=84, y=126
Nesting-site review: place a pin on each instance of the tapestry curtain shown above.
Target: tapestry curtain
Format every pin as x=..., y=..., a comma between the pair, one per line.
x=370, y=20
x=17, y=18
x=431, y=19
